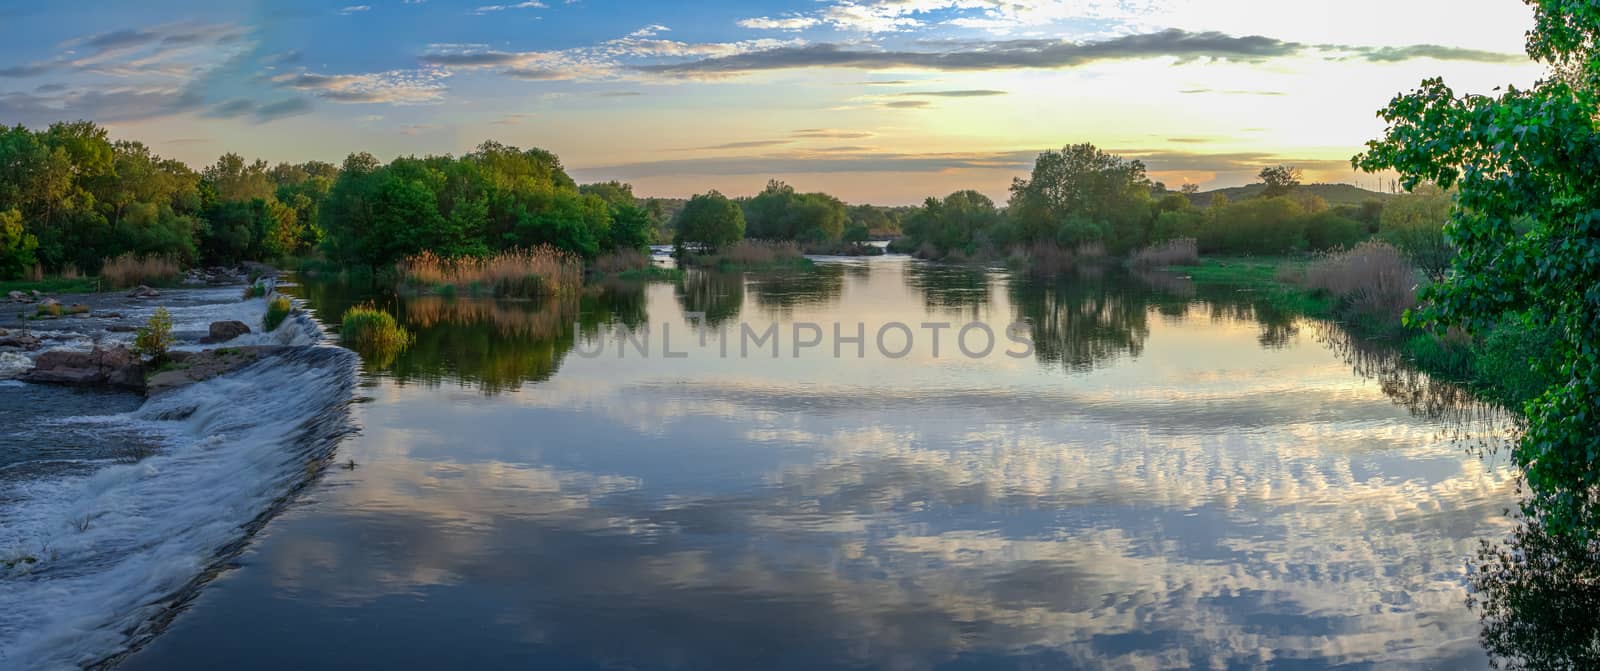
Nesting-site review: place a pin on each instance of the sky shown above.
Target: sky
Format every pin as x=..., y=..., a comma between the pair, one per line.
x=879, y=101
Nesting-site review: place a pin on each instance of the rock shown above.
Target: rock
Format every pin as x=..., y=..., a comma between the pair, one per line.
x=49, y=302
x=187, y=368
x=19, y=297
x=143, y=291
x=117, y=367
x=20, y=341
x=224, y=331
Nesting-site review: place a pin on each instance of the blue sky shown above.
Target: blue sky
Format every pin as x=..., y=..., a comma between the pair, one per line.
x=882, y=101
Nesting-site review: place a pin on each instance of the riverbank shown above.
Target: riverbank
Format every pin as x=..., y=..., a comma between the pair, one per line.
x=1495, y=365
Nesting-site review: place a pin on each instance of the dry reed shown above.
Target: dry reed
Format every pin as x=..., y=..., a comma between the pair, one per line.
x=517, y=273
x=1176, y=252
x=131, y=270
x=1373, y=276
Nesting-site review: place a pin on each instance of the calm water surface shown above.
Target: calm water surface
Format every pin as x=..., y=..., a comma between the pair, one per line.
x=1170, y=481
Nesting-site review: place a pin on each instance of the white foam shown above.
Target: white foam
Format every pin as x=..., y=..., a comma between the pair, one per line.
x=113, y=548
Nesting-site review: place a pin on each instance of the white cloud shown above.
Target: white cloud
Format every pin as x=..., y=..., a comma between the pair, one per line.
x=530, y=4
x=783, y=23
x=354, y=8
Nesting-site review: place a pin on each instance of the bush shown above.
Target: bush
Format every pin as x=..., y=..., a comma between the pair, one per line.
x=1415, y=224
x=131, y=270
x=155, y=337
x=1256, y=226
x=1373, y=278
x=369, y=330
x=277, y=310
x=1328, y=230
x=1179, y=252
x=255, y=291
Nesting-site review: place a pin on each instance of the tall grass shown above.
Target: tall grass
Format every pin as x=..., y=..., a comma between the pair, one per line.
x=131, y=270
x=1176, y=252
x=518, y=273
x=759, y=253
x=621, y=261
x=277, y=310
x=367, y=329
x=1374, y=278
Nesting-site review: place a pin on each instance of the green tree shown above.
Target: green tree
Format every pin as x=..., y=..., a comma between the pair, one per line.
x=1526, y=229
x=16, y=246
x=710, y=220
x=1414, y=224
x=1280, y=180
x=1081, y=194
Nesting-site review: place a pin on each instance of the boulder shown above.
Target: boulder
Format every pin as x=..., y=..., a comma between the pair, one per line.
x=187, y=368
x=18, y=297
x=20, y=341
x=117, y=367
x=224, y=331
x=143, y=291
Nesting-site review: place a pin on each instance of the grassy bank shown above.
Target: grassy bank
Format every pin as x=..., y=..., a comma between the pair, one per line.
x=1498, y=365
x=79, y=285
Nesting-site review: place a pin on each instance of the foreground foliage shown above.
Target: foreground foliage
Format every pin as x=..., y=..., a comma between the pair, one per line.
x=1527, y=236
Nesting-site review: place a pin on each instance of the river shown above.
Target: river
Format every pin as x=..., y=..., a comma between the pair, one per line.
x=1139, y=474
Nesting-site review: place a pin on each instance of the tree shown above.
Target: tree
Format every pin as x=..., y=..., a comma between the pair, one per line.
x=1081, y=194
x=631, y=228
x=1189, y=189
x=781, y=213
x=1526, y=229
x=710, y=220
x=16, y=246
x=964, y=222
x=1280, y=180
x=1414, y=224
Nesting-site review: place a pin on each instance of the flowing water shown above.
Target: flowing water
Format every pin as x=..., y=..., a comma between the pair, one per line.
x=1138, y=475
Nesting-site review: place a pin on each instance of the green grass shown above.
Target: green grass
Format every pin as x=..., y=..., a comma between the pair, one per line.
x=651, y=274
x=277, y=310
x=374, y=333
x=81, y=285
x=255, y=291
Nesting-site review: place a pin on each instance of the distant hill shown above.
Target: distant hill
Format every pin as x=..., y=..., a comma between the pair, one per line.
x=1334, y=194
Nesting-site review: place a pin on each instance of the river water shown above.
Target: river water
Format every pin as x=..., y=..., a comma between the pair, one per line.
x=1145, y=476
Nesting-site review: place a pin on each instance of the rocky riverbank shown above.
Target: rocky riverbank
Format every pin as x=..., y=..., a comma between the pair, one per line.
x=119, y=367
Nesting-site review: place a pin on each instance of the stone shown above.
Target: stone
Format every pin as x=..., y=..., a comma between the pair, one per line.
x=18, y=297
x=20, y=341
x=143, y=291
x=118, y=367
x=224, y=331
x=188, y=368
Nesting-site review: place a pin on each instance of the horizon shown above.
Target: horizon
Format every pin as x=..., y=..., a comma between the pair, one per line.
x=884, y=102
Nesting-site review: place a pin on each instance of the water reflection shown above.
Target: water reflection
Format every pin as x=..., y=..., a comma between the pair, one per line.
x=950, y=289
x=779, y=293
x=1191, y=481
x=717, y=295
x=1079, y=324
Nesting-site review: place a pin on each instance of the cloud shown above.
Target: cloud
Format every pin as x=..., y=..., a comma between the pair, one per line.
x=831, y=134
x=993, y=55
x=790, y=23
x=1232, y=92
x=232, y=108
x=531, y=4
x=976, y=55
x=287, y=107
x=650, y=31
x=352, y=9
x=1433, y=52
x=906, y=104
x=970, y=93
x=395, y=86
x=751, y=144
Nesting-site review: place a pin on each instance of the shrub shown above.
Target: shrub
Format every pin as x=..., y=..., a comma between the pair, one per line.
x=155, y=337
x=1178, y=252
x=1373, y=278
x=1414, y=223
x=519, y=273
x=131, y=270
x=621, y=261
x=48, y=310
x=370, y=330
x=1256, y=226
x=255, y=291
x=1328, y=230
x=277, y=310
